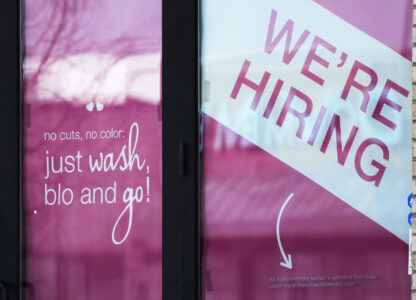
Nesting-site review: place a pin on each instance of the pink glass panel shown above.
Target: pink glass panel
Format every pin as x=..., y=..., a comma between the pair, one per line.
x=92, y=149
x=293, y=206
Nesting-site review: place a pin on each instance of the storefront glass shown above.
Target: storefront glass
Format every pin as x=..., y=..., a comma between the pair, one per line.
x=92, y=150
x=306, y=149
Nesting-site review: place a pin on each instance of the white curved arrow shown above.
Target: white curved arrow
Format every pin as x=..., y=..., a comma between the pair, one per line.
x=287, y=259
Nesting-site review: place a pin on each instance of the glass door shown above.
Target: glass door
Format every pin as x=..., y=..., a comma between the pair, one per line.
x=92, y=149
x=306, y=150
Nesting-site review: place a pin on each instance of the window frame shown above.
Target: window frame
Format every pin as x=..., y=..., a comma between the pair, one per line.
x=180, y=141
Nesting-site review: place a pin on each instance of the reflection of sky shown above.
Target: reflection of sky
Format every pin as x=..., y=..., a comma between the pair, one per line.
x=100, y=77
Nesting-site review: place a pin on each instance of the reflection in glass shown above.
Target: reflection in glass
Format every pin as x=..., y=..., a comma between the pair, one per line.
x=92, y=154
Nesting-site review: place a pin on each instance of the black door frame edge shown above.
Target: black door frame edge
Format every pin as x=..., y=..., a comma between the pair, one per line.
x=10, y=137
x=180, y=111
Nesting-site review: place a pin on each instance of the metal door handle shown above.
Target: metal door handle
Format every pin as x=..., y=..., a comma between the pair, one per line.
x=3, y=292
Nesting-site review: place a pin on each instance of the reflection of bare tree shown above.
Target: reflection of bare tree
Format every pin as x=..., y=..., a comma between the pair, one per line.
x=55, y=30
x=58, y=29
x=66, y=39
